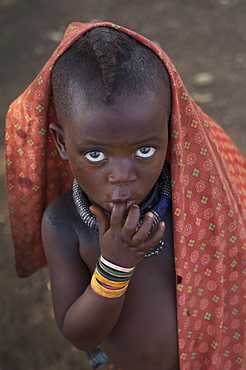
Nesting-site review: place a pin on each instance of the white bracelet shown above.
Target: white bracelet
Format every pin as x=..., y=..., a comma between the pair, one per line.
x=116, y=267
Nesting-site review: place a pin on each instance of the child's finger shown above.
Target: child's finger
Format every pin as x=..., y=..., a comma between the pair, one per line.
x=117, y=215
x=132, y=221
x=156, y=236
x=142, y=233
x=101, y=218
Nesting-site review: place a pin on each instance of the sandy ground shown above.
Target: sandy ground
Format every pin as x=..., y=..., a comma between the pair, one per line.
x=206, y=40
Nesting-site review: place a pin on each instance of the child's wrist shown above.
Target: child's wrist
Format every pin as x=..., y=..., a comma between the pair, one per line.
x=110, y=280
x=116, y=267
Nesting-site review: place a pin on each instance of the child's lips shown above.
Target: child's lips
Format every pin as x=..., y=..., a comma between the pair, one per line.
x=128, y=202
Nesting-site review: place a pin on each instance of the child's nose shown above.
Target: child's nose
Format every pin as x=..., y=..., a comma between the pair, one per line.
x=122, y=172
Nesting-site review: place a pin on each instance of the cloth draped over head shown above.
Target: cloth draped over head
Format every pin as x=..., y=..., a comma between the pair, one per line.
x=208, y=196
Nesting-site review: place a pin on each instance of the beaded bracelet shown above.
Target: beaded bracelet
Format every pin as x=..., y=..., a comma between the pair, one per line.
x=117, y=284
x=110, y=280
x=107, y=291
x=116, y=274
x=116, y=267
x=108, y=275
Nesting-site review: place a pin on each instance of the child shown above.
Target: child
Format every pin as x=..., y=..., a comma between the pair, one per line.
x=130, y=272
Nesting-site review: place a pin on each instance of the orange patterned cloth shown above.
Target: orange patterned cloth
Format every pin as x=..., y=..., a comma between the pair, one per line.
x=209, y=202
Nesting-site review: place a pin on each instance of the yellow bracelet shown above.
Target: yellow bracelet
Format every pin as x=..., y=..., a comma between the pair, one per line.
x=115, y=284
x=104, y=292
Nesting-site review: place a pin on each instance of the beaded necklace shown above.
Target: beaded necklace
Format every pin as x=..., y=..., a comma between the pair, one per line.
x=158, y=203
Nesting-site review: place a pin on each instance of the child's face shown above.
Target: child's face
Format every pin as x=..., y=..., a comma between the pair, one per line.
x=117, y=151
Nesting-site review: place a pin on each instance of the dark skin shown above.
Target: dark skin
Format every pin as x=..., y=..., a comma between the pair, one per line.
x=116, y=153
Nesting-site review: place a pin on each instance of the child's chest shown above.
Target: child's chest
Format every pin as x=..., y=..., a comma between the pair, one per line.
x=147, y=327
x=146, y=332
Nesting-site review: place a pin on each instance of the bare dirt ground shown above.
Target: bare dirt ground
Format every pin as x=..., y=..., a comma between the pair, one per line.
x=199, y=36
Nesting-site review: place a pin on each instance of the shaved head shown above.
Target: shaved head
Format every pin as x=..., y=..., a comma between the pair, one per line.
x=104, y=64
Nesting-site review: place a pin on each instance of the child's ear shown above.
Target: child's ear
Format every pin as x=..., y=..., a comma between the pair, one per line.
x=58, y=135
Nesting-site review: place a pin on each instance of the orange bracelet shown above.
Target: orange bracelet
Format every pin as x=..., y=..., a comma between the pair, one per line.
x=105, y=292
x=116, y=284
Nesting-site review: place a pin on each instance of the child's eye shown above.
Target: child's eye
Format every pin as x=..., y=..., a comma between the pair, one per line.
x=145, y=151
x=95, y=156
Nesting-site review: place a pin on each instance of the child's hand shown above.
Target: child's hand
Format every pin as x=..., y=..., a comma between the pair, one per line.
x=122, y=242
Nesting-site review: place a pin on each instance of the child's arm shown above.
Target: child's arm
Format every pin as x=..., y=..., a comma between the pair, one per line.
x=84, y=317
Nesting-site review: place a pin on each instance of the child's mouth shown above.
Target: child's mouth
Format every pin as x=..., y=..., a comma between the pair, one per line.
x=128, y=202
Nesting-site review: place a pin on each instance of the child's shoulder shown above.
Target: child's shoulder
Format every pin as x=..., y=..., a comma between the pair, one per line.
x=62, y=211
x=63, y=238
x=61, y=220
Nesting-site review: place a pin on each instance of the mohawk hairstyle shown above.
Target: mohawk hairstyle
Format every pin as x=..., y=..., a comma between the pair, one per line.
x=105, y=49
x=107, y=61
